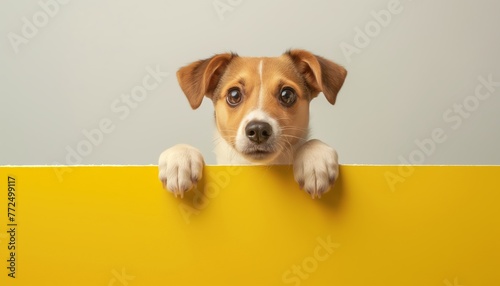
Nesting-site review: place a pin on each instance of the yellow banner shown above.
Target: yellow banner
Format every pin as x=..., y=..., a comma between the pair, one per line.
x=380, y=225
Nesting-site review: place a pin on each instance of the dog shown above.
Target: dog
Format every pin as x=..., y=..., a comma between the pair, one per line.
x=262, y=117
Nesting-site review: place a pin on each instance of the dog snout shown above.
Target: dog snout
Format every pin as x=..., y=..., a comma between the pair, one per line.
x=258, y=131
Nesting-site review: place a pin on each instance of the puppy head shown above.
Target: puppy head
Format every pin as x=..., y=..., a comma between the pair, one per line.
x=262, y=104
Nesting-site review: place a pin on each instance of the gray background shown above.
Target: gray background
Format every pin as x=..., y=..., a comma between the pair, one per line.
x=65, y=78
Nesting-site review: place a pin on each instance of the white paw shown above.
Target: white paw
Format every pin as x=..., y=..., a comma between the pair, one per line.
x=315, y=167
x=180, y=168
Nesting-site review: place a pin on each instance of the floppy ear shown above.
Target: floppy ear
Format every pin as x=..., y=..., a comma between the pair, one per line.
x=201, y=77
x=321, y=75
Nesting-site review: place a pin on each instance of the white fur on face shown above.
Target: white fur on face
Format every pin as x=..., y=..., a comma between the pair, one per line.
x=261, y=87
x=242, y=143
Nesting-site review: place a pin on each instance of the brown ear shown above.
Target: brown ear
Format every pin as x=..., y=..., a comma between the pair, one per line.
x=201, y=77
x=320, y=74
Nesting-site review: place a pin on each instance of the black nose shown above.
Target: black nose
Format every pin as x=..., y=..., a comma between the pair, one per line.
x=258, y=131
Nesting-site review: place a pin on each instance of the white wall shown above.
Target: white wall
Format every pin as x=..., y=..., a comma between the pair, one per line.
x=64, y=77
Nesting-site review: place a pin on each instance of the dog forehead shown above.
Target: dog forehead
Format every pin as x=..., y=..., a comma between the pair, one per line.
x=265, y=68
x=242, y=67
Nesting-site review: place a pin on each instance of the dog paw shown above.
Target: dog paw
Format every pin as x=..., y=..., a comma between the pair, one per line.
x=180, y=168
x=315, y=167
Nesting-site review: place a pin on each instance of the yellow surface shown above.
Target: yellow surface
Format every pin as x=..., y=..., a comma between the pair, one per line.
x=116, y=226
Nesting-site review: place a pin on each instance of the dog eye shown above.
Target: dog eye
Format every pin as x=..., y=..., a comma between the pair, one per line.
x=233, y=97
x=287, y=96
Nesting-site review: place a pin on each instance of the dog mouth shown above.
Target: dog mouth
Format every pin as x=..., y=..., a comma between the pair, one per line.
x=259, y=153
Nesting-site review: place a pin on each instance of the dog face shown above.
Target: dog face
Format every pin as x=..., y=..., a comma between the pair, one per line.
x=262, y=107
x=262, y=104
